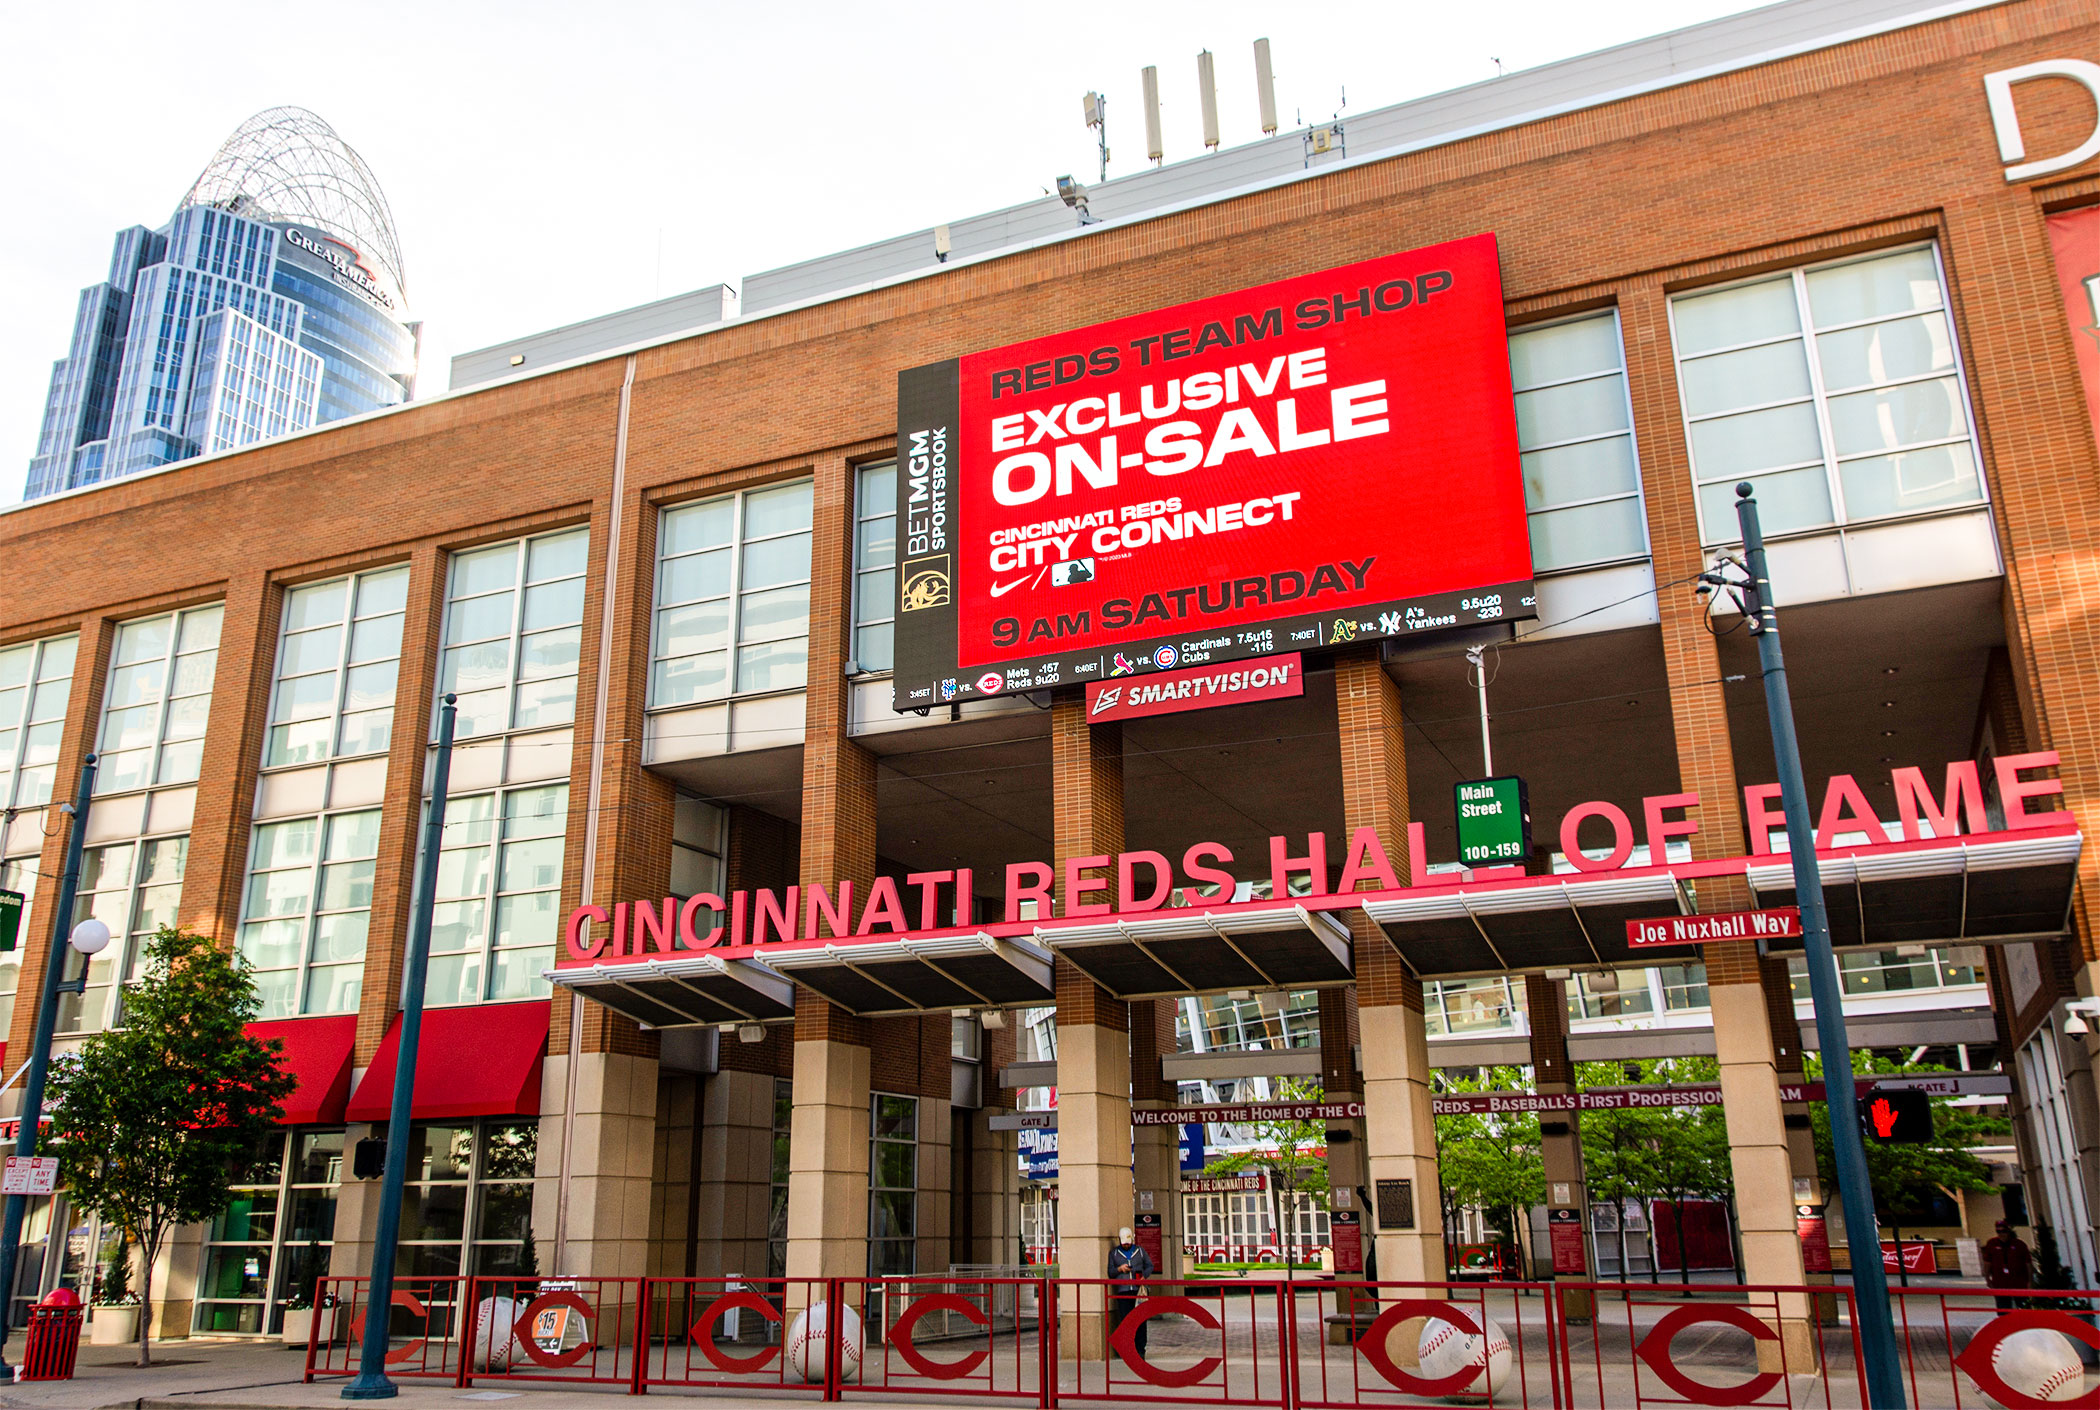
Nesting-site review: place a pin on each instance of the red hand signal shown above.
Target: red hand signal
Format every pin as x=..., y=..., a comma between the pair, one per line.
x=1884, y=1117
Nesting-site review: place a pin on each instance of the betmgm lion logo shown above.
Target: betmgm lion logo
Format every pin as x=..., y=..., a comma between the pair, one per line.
x=926, y=583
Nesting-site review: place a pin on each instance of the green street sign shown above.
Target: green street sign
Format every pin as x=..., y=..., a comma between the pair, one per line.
x=10, y=919
x=1494, y=822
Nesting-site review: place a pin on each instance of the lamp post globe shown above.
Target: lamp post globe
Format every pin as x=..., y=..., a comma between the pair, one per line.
x=89, y=937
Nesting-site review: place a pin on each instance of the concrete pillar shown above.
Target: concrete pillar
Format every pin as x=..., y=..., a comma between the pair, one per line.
x=1156, y=1150
x=175, y=1276
x=736, y=1176
x=828, y=1144
x=611, y=1144
x=673, y=1172
x=993, y=1219
x=1095, y=1195
x=1348, y=1178
x=1400, y=1136
x=1560, y=1133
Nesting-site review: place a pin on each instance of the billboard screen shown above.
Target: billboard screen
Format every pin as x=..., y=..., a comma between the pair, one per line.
x=1324, y=460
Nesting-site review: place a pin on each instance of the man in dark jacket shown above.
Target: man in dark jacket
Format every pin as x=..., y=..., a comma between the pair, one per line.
x=1128, y=1266
x=2007, y=1264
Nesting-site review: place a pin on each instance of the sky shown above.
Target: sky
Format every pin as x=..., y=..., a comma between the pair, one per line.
x=547, y=162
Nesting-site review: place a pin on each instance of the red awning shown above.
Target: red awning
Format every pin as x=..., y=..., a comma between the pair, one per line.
x=478, y=1061
x=317, y=1052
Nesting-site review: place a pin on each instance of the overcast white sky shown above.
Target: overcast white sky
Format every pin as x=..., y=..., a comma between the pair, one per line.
x=552, y=161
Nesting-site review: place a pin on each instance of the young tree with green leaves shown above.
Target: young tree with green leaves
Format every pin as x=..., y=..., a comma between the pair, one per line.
x=1491, y=1161
x=1292, y=1153
x=1618, y=1150
x=1688, y=1150
x=154, y=1121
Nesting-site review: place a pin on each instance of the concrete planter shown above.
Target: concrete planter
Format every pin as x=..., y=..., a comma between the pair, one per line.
x=114, y=1326
x=299, y=1325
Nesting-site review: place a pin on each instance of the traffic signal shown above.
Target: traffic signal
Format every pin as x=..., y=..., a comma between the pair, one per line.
x=1897, y=1117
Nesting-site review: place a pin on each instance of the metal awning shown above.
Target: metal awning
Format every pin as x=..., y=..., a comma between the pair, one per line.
x=1186, y=951
x=2007, y=887
x=1542, y=922
x=687, y=990
x=922, y=974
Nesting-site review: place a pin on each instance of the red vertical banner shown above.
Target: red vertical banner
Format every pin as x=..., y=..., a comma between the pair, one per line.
x=1814, y=1232
x=1569, y=1256
x=1152, y=1240
x=1346, y=1230
x=2074, y=237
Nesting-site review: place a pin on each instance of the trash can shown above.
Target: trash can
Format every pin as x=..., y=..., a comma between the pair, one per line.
x=54, y=1337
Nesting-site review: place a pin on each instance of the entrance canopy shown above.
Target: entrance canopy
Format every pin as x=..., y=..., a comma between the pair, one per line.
x=1188, y=951
x=913, y=975
x=685, y=990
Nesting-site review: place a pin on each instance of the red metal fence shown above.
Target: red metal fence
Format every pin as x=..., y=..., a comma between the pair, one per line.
x=1304, y=1344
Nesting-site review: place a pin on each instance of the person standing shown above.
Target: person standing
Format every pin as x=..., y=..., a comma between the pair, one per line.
x=2007, y=1265
x=1128, y=1267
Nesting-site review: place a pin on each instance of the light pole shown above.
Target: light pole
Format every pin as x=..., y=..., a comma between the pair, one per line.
x=371, y=1381
x=1870, y=1288
x=40, y=1049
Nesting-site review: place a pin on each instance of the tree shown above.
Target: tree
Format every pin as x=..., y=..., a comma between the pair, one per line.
x=1292, y=1153
x=1688, y=1150
x=153, y=1122
x=1618, y=1149
x=1901, y=1174
x=1490, y=1161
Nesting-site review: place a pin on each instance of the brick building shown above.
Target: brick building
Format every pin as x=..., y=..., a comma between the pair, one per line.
x=1792, y=246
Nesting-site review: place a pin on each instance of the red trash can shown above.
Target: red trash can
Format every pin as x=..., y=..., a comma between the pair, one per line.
x=54, y=1337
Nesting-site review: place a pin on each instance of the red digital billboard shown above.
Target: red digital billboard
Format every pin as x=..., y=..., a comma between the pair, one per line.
x=1325, y=460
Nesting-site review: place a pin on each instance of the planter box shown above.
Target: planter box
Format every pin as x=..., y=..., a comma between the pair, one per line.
x=299, y=1325
x=114, y=1326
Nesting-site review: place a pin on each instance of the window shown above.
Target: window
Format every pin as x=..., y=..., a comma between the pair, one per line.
x=337, y=657
x=308, y=907
x=513, y=632
x=36, y=682
x=777, y=1214
x=159, y=700
x=1610, y=993
x=16, y=874
x=732, y=597
x=875, y=566
x=134, y=889
x=1836, y=391
x=893, y=1182
x=275, y=1236
x=498, y=884
x=467, y=1207
x=1898, y=971
x=1452, y=1006
x=1582, y=479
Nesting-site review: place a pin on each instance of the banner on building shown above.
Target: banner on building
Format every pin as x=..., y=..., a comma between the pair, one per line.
x=1251, y=1111
x=1949, y=1084
x=1327, y=459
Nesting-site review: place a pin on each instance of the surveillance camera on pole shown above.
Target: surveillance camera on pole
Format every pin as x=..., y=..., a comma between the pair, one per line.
x=1074, y=195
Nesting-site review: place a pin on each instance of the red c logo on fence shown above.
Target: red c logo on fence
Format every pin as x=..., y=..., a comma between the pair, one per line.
x=1372, y=1346
x=1979, y=1357
x=1124, y=1340
x=900, y=1336
x=703, y=1331
x=521, y=1329
x=401, y=1299
x=1655, y=1350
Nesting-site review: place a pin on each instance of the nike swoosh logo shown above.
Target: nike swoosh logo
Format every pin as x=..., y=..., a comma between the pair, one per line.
x=1002, y=589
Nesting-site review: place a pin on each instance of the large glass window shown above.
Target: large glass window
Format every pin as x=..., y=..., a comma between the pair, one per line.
x=513, y=633
x=732, y=596
x=276, y=1235
x=875, y=566
x=36, y=682
x=134, y=888
x=159, y=700
x=337, y=659
x=498, y=884
x=1582, y=479
x=309, y=905
x=467, y=1207
x=893, y=1184
x=1835, y=390
x=16, y=874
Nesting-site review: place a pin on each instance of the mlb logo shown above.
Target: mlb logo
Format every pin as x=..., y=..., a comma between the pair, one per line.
x=1077, y=570
x=948, y=688
x=1165, y=657
x=989, y=683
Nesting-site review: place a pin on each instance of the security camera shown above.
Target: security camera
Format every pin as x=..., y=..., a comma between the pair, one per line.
x=1073, y=194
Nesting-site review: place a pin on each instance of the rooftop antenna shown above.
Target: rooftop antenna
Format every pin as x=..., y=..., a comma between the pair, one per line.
x=1498, y=68
x=1154, y=147
x=1265, y=87
x=1097, y=118
x=1207, y=95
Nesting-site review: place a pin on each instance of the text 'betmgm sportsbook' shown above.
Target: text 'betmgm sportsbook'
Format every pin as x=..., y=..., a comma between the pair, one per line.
x=1321, y=461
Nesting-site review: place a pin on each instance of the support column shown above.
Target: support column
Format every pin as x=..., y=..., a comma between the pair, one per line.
x=995, y=1157
x=828, y=1144
x=1400, y=1135
x=1348, y=1179
x=1093, y=1029
x=1155, y=1150
x=1560, y=1137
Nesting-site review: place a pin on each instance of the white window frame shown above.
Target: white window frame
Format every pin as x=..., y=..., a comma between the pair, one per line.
x=861, y=516
x=1639, y=493
x=312, y=914
x=1819, y=397
x=494, y=892
x=179, y=620
x=117, y=966
x=353, y=588
x=15, y=759
x=520, y=583
x=733, y=688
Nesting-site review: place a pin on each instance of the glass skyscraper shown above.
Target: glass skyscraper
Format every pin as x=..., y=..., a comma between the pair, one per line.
x=271, y=301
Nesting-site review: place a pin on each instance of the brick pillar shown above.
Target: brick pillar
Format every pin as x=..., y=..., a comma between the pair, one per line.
x=1095, y=1196
x=1560, y=1133
x=1155, y=1150
x=1706, y=768
x=216, y=871
x=1400, y=1136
